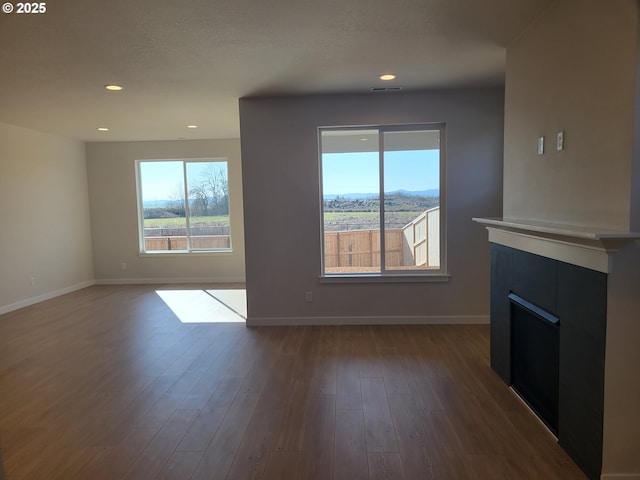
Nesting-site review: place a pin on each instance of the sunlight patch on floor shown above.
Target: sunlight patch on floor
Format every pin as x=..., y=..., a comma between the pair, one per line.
x=206, y=306
x=235, y=299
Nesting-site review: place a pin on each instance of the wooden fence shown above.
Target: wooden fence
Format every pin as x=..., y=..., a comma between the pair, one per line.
x=361, y=248
x=416, y=245
x=156, y=244
x=422, y=240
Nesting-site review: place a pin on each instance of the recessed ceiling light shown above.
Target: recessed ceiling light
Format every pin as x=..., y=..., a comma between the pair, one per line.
x=113, y=87
x=192, y=126
x=103, y=129
x=387, y=76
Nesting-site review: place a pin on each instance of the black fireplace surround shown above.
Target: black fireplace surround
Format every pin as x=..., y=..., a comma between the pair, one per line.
x=548, y=322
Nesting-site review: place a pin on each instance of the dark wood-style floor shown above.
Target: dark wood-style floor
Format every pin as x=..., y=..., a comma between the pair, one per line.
x=107, y=383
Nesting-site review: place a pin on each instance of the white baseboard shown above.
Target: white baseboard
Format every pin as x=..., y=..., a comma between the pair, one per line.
x=620, y=476
x=168, y=280
x=368, y=320
x=45, y=296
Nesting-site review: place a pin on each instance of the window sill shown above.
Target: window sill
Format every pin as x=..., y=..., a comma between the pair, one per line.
x=377, y=278
x=179, y=253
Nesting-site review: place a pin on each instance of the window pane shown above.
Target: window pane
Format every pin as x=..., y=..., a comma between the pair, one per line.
x=162, y=194
x=412, y=199
x=351, y=201
x=208, y=188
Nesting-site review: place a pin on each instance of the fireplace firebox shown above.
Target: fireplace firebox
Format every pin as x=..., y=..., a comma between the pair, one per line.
x=534, y=358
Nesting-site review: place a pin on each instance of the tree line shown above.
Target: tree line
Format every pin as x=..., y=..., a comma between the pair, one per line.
x=208, y=196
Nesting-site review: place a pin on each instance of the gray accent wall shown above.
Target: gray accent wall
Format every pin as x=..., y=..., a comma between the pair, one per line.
x=280, y=168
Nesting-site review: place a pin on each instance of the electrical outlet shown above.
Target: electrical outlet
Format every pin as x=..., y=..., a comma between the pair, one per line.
x=560, y=141
x=32, y=280
x=123, y=266
x=540, y=145
x=308, y=297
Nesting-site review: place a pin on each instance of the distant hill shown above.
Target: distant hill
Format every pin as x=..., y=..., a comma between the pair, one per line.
x=434, y=192
x=157, y=203
x=394, y=202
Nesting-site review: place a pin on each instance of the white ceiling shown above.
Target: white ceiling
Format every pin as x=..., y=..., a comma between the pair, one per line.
x=183, y=62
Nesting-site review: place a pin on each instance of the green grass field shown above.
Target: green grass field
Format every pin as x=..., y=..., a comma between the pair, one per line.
x=351, y=216
x=180, y=221
x=331, y=217
x=337, y=216
x=335, y=221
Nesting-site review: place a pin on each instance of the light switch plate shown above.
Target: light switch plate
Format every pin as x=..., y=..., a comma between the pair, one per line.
x=560, y=140
x=540, y=145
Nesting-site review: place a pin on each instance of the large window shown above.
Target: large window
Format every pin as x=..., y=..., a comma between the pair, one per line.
x=381, y=190
x=183, y=205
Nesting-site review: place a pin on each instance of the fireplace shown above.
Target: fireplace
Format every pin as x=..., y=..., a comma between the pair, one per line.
x=548, y=321
x=589, y=279
x=534, y=358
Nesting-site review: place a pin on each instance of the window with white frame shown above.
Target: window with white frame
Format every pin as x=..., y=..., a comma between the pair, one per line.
x=382, y=200
x=183, y=205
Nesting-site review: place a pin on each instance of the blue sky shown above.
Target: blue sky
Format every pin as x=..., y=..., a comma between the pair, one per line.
x=162, y=179
x=342, y=173
x=357, y=172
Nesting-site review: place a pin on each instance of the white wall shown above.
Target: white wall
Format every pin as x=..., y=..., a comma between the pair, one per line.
x=622, y=380
x=574, y=70
x=112, y=188
x=282, y=206
x=45, y=231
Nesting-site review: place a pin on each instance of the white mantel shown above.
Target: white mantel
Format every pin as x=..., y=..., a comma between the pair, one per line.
x=586, y=247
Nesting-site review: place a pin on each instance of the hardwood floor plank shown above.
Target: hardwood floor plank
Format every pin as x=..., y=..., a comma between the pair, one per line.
x=350, y=457
x=180, y=466
x=221, y=451
x=368, y=359
x=386, y=466
x=281, y=465
x=379, y=429
x=484, y=466
x=206, y=423
x=414, y=448
x=446, y=449
x=252, y=454
x=469, y=421
x=396, y=381
x=424, y=394
x=153, y=457
x=84, y=468
x=2, y=474
x=276, y=395
x=202, y=430
x=291, y=435
x=224, y=394
x=316, y=459
x=117, y=461
x=348, y=391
